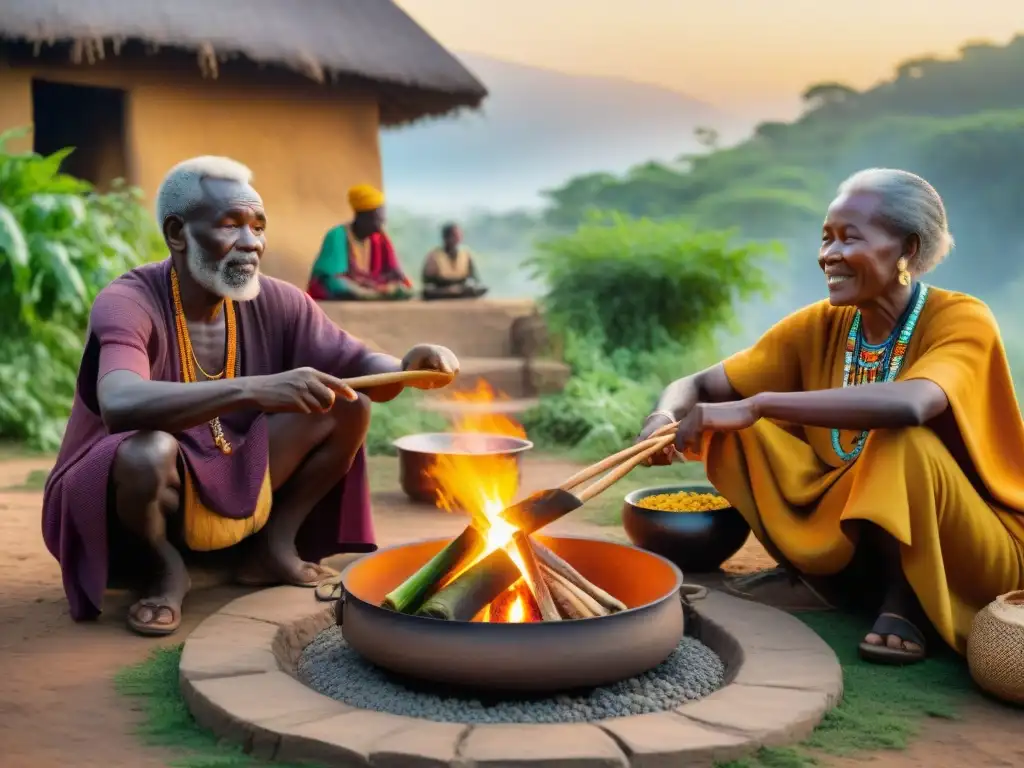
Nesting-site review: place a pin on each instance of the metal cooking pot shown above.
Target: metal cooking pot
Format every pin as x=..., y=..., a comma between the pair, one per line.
x=416, y=454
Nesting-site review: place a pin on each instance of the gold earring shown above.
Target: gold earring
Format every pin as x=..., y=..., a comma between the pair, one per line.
x=904, y=274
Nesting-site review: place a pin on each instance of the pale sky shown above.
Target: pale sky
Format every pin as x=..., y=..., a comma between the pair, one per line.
x=732, y=53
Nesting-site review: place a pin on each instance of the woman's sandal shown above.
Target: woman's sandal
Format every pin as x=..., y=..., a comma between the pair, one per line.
x=153, y=628
x=889, y=625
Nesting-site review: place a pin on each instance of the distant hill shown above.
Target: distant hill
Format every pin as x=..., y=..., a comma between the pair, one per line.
x=538, y=128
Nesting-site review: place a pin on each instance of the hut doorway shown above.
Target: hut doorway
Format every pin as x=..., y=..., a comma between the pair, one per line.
x=90, y=119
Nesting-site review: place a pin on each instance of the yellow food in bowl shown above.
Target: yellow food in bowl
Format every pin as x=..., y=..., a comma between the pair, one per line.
x=683, y=501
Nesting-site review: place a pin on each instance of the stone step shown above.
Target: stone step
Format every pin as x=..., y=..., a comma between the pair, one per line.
x=480, y=328
x=513, y=377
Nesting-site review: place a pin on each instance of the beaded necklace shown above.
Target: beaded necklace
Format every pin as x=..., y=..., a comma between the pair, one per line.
x=866, y=363
x=189, y=362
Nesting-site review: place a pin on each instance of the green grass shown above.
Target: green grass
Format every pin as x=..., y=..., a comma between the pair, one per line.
x=34, y=481
x=882, y=708
x=10, y=450
x=153, y=684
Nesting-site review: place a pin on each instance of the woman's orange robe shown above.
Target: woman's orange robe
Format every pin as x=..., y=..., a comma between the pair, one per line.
x=955, y=503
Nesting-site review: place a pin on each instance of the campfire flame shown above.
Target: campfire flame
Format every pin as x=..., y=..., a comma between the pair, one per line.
x=517, y=611
x=477, y=416
x=482, y=486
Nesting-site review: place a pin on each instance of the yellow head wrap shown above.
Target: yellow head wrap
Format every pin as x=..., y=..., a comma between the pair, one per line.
x=364, y=198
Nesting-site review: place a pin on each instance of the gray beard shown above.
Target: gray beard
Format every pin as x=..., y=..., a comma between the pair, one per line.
x=223, y=277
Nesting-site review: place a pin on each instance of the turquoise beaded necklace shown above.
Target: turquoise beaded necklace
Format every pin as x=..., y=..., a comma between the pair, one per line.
x=866, y=363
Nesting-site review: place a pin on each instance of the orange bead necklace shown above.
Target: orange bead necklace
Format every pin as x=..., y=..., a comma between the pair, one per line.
x=189, y=362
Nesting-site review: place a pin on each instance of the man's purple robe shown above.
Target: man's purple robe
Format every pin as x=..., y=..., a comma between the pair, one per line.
x=132, y=321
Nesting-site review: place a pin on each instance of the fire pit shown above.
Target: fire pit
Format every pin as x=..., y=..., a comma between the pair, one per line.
x=417, y=454
x=506, y=653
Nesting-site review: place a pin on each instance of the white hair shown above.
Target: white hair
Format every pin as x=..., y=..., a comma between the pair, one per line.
x=181, y=191
x=910, y=206
x=235, y=276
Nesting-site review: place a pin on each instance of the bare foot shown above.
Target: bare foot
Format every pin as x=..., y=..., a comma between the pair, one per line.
x=159, y=613
x=270, y=565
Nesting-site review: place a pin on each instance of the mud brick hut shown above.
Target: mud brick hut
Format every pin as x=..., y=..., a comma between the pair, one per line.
x=296, y=89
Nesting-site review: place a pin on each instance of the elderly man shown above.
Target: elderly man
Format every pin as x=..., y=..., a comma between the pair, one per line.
x=210, y=414
x=357, y=261
x=449, y=272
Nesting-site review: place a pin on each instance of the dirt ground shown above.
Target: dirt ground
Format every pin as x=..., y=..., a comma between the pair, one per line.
x=58, y=706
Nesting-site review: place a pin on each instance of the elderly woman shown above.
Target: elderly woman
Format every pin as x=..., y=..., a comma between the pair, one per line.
x=918, y=476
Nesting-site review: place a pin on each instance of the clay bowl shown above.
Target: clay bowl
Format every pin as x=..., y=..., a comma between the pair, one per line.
x=416, y=454
x=539, y=657
x=697, y=542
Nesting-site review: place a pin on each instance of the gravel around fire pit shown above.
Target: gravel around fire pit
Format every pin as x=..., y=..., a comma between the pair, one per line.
x=330, y=666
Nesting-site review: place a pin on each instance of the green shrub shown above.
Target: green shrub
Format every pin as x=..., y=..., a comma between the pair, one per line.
x=402, y=416
x=61, y=242
x=637, y=303
x=636, y=283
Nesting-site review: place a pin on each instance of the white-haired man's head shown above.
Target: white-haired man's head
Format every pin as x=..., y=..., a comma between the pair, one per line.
x=194, y=199
x=908, y=205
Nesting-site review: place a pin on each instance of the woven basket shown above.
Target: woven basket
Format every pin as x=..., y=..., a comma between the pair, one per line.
x=995, y=648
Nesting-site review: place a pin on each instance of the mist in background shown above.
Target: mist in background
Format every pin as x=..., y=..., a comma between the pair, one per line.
x=552, y=145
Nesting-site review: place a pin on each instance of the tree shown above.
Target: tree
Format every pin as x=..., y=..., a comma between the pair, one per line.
x=914, y=69
x=771, y=131
x=706, y=137
x=828, y=94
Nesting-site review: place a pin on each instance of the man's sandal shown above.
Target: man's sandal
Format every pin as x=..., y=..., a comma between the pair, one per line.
x=329, y=590
x=158, y=607
x=890, y=625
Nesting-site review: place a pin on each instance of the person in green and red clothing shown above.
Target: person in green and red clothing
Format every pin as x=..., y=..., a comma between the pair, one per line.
x=357, y=261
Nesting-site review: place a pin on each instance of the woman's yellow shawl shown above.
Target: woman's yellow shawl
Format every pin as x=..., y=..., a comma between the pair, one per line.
x=956, y=345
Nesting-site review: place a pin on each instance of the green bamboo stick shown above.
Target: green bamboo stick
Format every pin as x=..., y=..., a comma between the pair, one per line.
x=465, y=597
x=408, y=596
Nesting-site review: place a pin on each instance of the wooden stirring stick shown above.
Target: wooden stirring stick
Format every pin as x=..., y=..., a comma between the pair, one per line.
x=611, y=461
x=418, y=379
x=624, y=469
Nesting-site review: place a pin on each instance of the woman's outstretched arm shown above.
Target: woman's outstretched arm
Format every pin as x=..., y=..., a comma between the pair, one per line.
x=874, y=406
x=708, y=386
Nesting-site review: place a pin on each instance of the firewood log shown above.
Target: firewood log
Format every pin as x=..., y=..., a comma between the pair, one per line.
x=558, y=565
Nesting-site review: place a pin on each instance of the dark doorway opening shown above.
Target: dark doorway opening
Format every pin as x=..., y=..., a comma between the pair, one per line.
x=90, y=119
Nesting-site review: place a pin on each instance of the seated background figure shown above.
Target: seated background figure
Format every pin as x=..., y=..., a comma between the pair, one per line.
x=449, y=271
x=210, y=418
x=357, y=261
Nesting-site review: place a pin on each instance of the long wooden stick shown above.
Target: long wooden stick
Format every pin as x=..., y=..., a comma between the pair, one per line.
x=624, y=469
x=611, y=461
x=534, y=578
x=419, y=379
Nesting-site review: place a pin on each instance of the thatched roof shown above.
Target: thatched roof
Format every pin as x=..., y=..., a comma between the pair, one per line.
x=324, y=40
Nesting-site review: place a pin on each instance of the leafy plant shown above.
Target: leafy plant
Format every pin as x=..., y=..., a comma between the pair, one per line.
x=402, y=416
x=638, y=303
x=637, y=283
x=61, y=242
